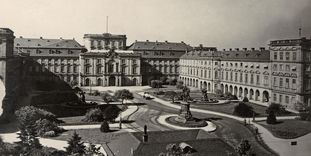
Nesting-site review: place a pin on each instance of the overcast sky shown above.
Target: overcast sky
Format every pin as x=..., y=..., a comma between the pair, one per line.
x=220, y=23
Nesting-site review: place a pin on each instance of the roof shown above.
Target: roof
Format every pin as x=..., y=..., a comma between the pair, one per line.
x=158, y=140
x=104, y=35
x=291, y=42
x=46, y=43
x=164, y=46
x=104, y=53
x=253, y=55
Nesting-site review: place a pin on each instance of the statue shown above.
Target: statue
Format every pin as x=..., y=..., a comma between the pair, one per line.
x=204, y=94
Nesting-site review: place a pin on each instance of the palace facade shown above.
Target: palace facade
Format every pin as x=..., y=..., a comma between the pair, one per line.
x=280, y=74
x=59, y=56
x=159, y=58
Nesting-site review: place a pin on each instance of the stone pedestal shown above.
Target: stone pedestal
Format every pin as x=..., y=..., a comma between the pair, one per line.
x=185, y=114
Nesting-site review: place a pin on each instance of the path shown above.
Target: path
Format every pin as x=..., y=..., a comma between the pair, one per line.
x=281, y=146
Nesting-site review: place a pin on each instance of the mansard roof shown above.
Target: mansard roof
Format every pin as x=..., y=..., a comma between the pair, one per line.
x=47, y=43
x=160, y=46
x=253, y=55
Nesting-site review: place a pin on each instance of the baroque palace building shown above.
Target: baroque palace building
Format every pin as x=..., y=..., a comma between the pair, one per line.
x=107, y=63
x=279, y=75
x=58, y=56
x=159, y=59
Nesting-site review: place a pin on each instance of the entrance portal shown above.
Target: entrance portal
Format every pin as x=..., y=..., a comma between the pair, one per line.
x=112, y=81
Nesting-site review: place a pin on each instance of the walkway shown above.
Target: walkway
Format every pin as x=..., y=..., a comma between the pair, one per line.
x=281, y=146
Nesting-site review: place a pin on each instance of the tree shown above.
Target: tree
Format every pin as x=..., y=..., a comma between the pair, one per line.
x=243, y=110
x=75, y=145
x=172, y=150
x=93, y=115
x=185, y=93
x=245, y=99
x=244, y=148
x=104, y=127
x=171, y=95
x=106, y=97
x=156, y=84
x=123, y=95
x=73, y=83
x=163, y=79
x=276, y=108
x=28, y=137
x=271, y=118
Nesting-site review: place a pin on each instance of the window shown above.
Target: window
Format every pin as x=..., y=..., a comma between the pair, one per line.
x=294, y=56
x=87, y=61
x=123, y=61
x=274, y=81
x=75, y=69
x=246, y=78
x=123, y=69
x=280, y=98
x=286, y=83
x=294, y=84
x=134, y=70
x=275, y=67
x=281, y=82
x=209, y=74
x=99, y=70
x=286, y=99
x=99, y=61
x=62, y=68
x=205, y=73
x=281, y=55
x=231, y=76
x=226, y=75
x=252, y=78
x=281, y=67
x=216, y=74
x=266, y=81
x=87, y=69
x=274, y=97
x=236, y=77
x=287, y=67
x=258, y=79
x=287, y=56
x=275, y=55
x=241, y=77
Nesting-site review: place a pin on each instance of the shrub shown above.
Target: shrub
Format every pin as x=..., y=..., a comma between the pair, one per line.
x=179, y=84
x=244, y=148
x=163, y=79
x=49, y=134
x=123, y=94
x=218, y=92
x=271, y=118
x=111, y=113
x=171, y=82
x=44, y=125
x=96, y=93
x=156, y=84
x=93, y=115
x=107, y=97
x=276, y=108
x=171, y=95
x=243, y=110
x=104, y=127
x=245, y=99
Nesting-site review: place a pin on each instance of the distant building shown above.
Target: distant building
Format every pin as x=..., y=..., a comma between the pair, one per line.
x=291, y=71
x=159, y=58
x=104, y=41
x=283, y=73
x=59, y=56
x=110, y=68
x=107, y=63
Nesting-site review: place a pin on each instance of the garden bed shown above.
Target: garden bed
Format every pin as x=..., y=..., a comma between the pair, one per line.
x=288, y=129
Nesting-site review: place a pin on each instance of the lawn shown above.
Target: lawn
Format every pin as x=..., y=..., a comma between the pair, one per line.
x=94, y=136
x=288, y=129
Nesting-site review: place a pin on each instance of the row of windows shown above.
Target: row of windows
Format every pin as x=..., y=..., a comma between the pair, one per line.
x=282, y=67
x=99, y=61
x=110, y=69
x=55, y=69
x=162, y=62
x=103, y=43
x=285, y=56
x=286, y=100
x=284, y=83
x=64, y=61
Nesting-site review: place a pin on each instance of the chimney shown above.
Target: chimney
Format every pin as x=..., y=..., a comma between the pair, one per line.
x=145, y=135
x=201, y=45
x=237, y=49
x=147, y=40
x=61, y=38
x=182, y=41
x=230, y=49
x=41, y=37
x=262, y=48
x=20, y=36
x=245, y=49
x=253, y=49
x=166, y=41
x=224, y=49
